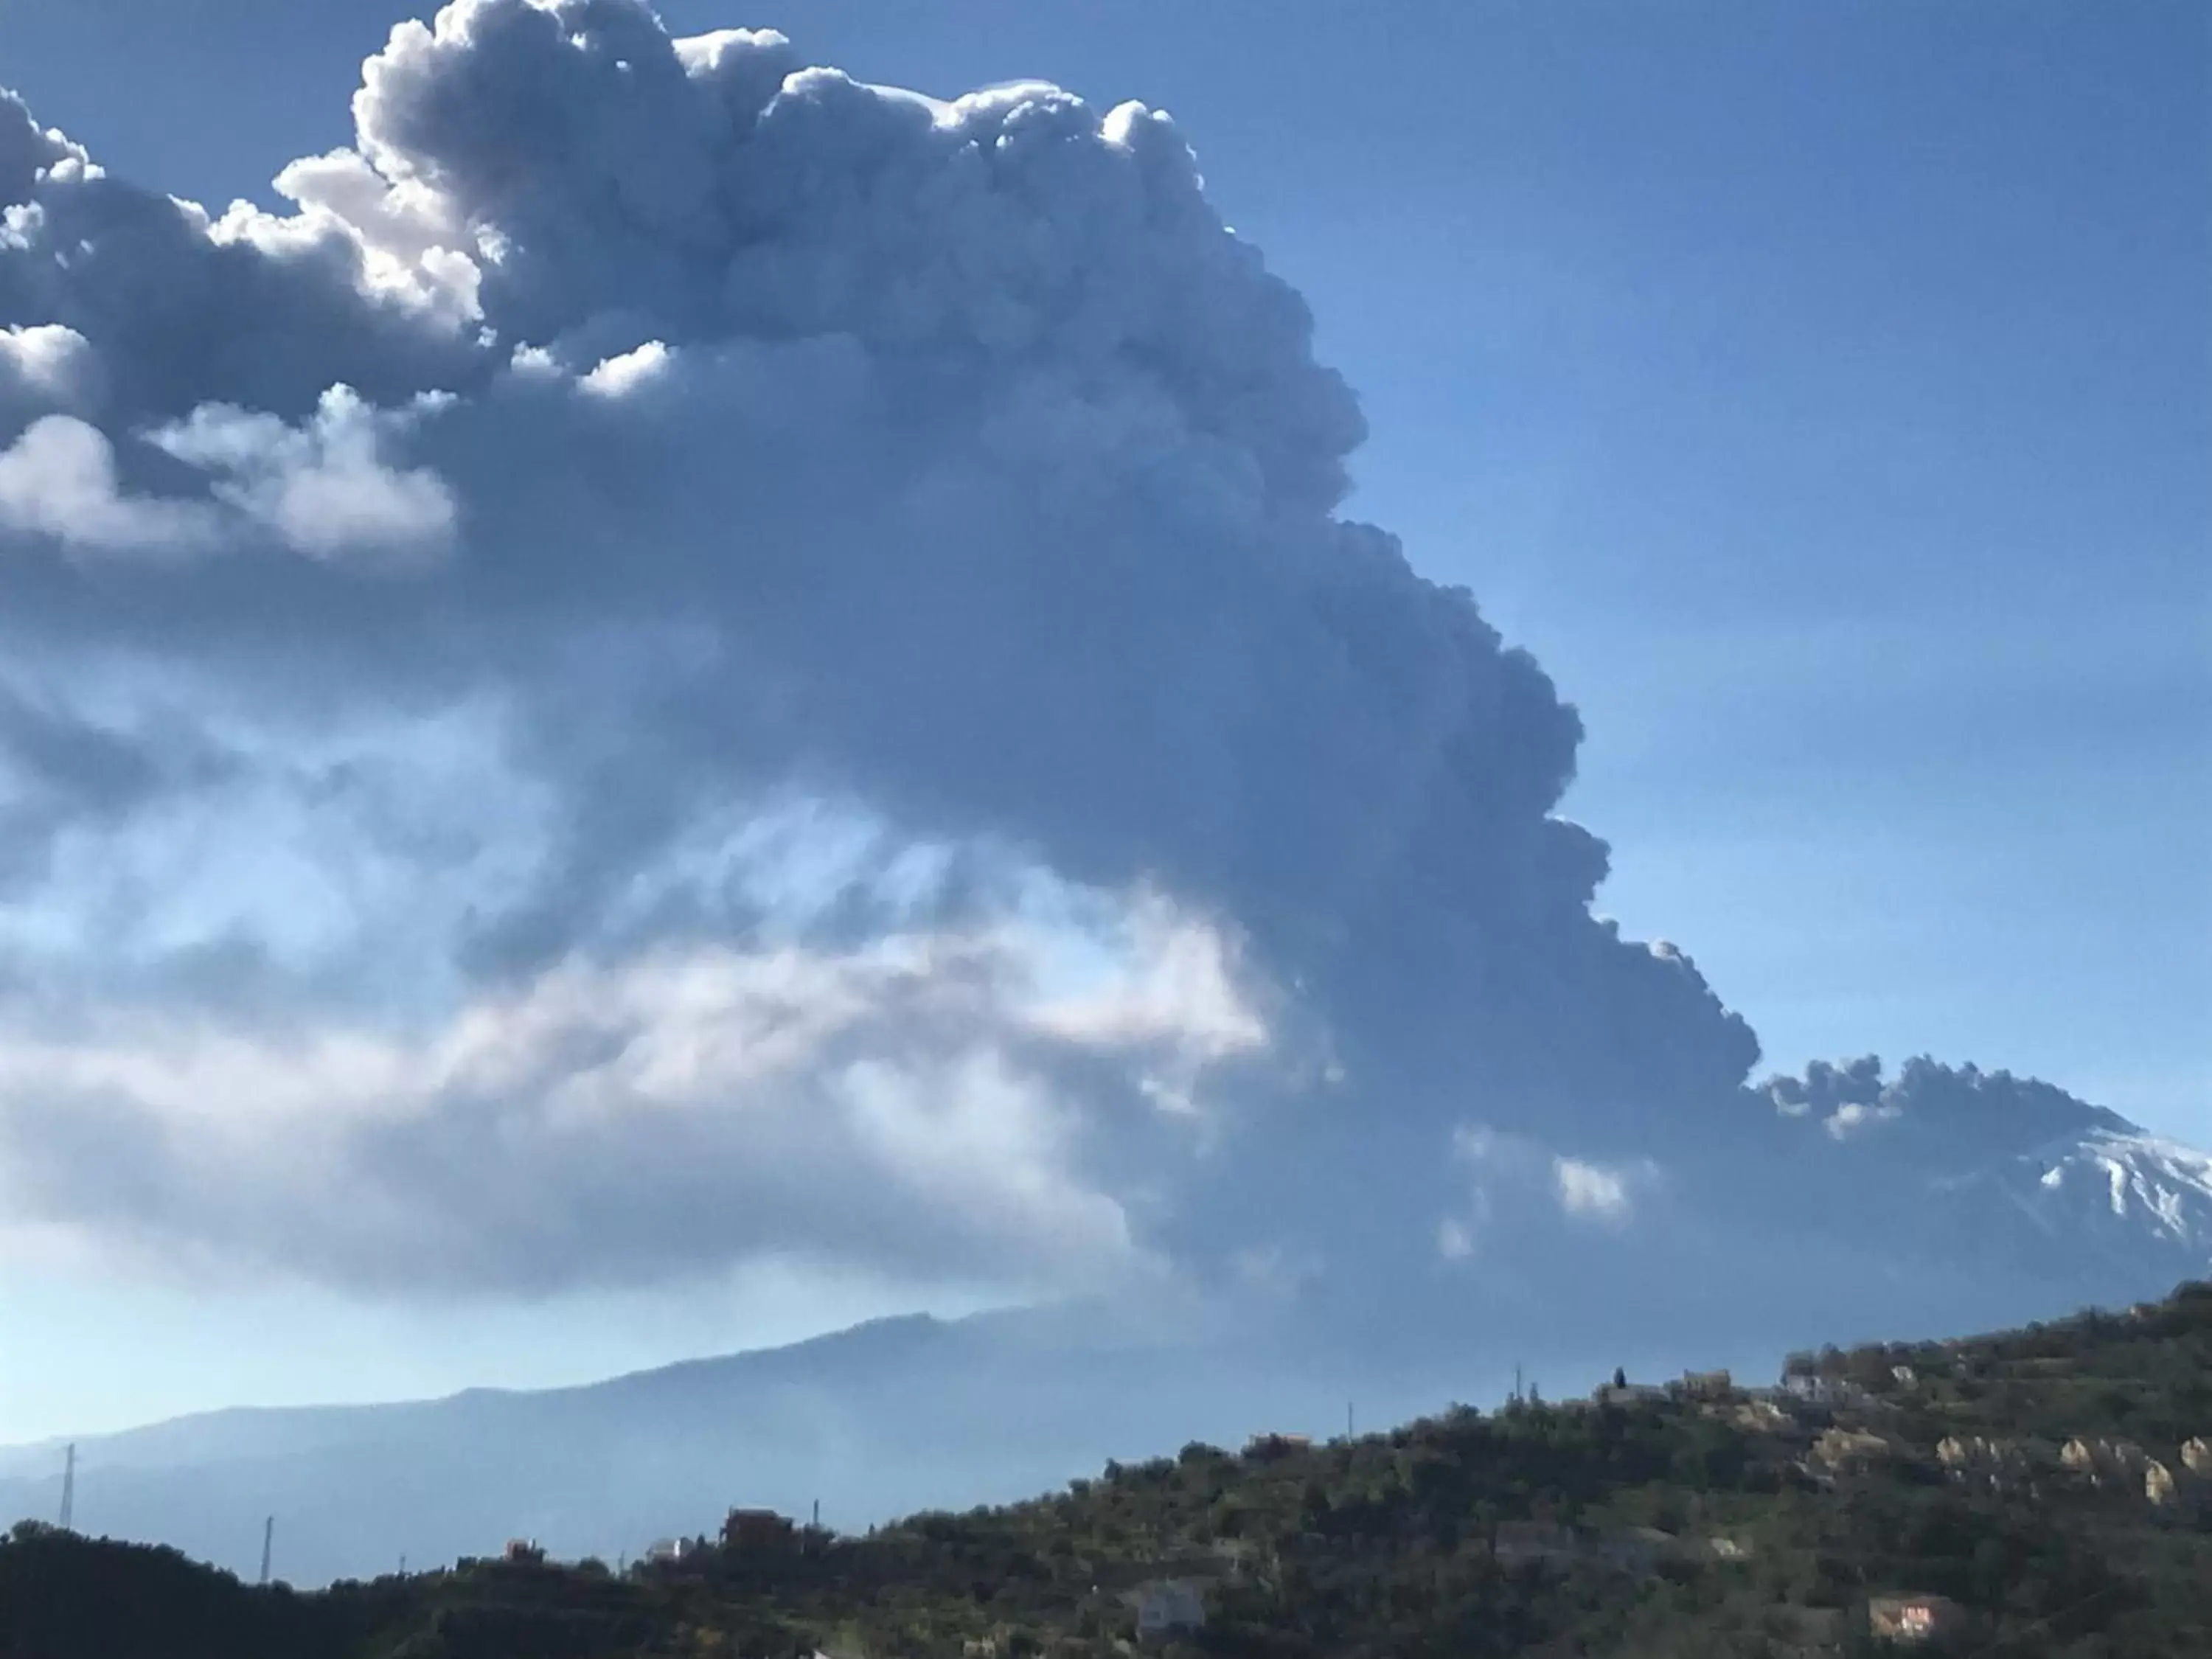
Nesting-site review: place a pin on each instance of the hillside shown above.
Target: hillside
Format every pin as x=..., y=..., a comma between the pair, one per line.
x=875, y=1422
x=2051, y=1485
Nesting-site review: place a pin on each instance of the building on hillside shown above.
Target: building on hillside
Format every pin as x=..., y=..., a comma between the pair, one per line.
x=1167, y=1607
x=1706, y=1385
x=756, y=1529
x=524, y=1552
x=1912, y=1619
x=1811, y=1389
x=1276, y=1445
x=664, y=1550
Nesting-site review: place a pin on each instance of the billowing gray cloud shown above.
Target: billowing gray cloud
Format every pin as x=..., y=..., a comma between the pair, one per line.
x=1927, y=1102
x=713, y=432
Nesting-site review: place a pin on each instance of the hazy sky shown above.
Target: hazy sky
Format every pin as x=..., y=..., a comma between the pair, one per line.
x=1823, y=395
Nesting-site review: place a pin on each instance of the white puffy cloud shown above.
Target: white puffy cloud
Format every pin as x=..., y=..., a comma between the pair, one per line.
x=43, y=366
x=1847, y=1120
x=320, y=488
x=59, y=480
x=1519, y=1188
x=619, y=375
x=1592, y=1189
x=411, y=250
x=925, y=1101
x=1455, y=1239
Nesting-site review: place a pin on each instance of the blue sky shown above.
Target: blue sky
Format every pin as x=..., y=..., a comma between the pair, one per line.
x=1824, y=394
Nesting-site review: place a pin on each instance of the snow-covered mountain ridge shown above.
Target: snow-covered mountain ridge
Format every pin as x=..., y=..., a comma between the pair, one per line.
x=2132, y=1180
x=2114, y=1198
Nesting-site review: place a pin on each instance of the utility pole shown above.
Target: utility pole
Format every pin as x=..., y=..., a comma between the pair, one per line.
x=268, y=1538
x=1350, y=1432
x=1517, y=1382
x=69, y=1487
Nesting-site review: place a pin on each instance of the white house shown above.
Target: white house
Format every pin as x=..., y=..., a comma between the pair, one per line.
x=1166, y=1606
x=1814, y=1389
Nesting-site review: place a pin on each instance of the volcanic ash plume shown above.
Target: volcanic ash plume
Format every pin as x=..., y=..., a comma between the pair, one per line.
x=693, y=657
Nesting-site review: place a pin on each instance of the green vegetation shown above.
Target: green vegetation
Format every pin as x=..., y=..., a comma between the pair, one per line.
x=2049, y=1486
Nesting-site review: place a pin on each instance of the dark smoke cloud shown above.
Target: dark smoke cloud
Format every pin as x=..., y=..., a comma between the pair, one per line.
x=729, y=432
x=1984, y=1113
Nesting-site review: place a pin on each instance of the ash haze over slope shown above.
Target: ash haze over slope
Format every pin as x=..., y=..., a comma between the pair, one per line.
x=694, y=661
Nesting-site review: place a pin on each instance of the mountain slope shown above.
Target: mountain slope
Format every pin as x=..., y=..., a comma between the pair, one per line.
x=875, y=1421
